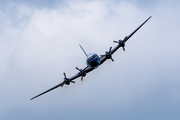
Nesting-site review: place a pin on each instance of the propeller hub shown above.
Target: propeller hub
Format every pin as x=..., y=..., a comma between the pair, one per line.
x=108, y=54
x=82, y=73
x=121, y=43
x=66, y=81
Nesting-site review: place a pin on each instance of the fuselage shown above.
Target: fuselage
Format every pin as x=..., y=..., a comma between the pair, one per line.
x=93, y=60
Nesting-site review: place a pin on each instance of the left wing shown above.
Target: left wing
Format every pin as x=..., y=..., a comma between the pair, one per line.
x=121, y=43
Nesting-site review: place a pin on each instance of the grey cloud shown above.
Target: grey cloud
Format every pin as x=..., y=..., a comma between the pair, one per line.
x=34, y=3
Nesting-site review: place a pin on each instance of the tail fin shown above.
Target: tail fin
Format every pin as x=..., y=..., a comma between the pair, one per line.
x=83, y=50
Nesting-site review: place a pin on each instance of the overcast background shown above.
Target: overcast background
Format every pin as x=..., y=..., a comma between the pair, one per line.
x=39, y=40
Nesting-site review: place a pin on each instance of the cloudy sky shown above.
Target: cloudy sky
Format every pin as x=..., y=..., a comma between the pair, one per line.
x=39, y=40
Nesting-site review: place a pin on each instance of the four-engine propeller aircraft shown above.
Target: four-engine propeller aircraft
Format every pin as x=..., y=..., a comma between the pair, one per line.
x=93, y=61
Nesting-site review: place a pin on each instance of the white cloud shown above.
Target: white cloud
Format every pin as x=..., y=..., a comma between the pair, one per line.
x=38, y=45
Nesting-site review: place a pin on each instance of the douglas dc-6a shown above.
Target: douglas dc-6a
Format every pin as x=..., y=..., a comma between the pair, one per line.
x=93, y=61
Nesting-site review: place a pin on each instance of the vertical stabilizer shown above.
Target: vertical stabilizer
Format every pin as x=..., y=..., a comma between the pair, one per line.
x=83, y=50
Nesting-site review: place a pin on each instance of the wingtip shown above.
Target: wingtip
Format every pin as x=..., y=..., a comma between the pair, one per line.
x=33, y=97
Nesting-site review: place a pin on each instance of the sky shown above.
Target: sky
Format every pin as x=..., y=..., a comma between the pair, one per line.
x=39, y=40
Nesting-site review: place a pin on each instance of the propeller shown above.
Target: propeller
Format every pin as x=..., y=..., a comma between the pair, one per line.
x=121, y=43
x=108, y=54
x=82, y=73
x=66, y=81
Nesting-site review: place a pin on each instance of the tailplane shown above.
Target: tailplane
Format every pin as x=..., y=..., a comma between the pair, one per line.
x=83, y=50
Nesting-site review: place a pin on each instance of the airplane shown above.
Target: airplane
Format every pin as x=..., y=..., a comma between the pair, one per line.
x=93, y=61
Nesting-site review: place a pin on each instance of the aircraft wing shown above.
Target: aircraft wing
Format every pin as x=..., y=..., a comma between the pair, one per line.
x=79, y=74
x=121, y=43
x=48, y=90
x=126, y=38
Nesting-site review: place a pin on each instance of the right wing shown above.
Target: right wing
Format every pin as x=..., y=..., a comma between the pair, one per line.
x=48, y=90
x=79, y=74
